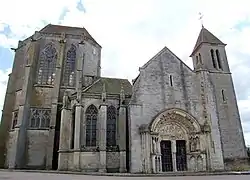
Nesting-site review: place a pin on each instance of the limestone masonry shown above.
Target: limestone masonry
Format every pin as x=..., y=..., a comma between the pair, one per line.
x=59, y=113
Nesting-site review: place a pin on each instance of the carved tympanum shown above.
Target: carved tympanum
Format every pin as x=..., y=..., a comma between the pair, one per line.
x=171, y=131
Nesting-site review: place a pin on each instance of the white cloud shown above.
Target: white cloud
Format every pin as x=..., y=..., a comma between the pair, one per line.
x=3, y=84
x=131, y=32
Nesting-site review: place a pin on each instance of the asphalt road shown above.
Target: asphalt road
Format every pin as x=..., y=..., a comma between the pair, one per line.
x=47, y=176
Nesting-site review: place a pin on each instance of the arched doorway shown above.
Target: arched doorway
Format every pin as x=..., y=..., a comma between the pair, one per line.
x=175, y=137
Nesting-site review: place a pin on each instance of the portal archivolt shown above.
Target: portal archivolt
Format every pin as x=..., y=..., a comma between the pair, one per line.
x=175, y=139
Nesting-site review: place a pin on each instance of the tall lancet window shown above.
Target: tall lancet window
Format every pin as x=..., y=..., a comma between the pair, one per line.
x=69, y=67
x=218, y=58
x=47, y=65
x=91, y=121
x=111, y=126
x=213, y=59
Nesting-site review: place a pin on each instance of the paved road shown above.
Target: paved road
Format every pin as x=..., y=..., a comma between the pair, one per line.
x=47, y=176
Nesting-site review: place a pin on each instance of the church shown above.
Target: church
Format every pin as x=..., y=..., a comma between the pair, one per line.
x=60, y=114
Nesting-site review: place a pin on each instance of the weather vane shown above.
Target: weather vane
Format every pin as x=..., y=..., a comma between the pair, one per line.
x=201, y=18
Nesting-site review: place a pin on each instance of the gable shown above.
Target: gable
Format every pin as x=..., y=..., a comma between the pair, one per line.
x=165, y=51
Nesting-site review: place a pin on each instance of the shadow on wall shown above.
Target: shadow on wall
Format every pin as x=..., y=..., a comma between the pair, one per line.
x=248, y=151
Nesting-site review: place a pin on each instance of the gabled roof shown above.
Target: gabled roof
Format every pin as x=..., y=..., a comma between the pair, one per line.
x=51, y=28
x=112, y=86
x=206, y=36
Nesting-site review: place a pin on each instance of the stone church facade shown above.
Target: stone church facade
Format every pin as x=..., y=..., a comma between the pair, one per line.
x=59, y=113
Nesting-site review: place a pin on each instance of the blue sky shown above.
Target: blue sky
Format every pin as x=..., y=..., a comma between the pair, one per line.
x=131, y=32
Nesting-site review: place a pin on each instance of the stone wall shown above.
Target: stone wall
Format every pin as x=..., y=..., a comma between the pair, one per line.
x=36, y=148
x=89, y=161
x=113, y=161
x=235, y=164
x=10, y=148
x=166, y=82
x=41, y=97
x=229, y=119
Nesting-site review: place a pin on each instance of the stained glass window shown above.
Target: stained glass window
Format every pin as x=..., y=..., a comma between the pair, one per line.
x=91, y=121
x=111, y=126
x=40, y=118
x=47, y=65
x=69, y=67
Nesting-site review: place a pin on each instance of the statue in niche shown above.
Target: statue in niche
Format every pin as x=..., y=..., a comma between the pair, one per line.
x=197, y=142
x=194, y=144
x=66, y=100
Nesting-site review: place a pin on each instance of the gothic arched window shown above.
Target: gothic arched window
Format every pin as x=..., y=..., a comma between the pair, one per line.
x=47, y=65
x=111, y=126
x=213, y=59
x=218, y=58
x=91, y=121
x=69, y=67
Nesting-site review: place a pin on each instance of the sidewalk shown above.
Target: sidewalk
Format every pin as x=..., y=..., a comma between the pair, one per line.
x=134, y=175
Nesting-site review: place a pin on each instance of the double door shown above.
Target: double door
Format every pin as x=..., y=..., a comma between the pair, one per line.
x=171, y=160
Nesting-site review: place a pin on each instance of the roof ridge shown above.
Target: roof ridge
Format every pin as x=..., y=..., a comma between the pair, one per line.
x=91, y=85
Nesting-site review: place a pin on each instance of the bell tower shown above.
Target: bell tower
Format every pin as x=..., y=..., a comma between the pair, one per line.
x=209, y=57
x=209, y=53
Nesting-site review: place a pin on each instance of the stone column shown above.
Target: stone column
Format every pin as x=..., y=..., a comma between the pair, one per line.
x=122, y=137
x=102, y=136
x=17, y=158
x=77, y=136
x=148, y=165
x=154, y=163
x=64, y=143
x=79, y=107
x=55, y=94
x=173, y=147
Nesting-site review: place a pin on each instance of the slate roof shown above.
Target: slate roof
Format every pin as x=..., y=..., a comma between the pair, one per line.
x=206, y=36
x=51, y=28
x=112, y=86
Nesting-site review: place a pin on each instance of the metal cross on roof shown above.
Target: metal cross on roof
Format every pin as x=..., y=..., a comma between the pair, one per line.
x=201, y=18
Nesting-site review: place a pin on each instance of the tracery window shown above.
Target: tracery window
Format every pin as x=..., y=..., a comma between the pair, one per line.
x=14, y=120
x=47, y=65
x=111, y=126
x=213, y=59
x=69, y=67
x=91, y=121
x=40, y=118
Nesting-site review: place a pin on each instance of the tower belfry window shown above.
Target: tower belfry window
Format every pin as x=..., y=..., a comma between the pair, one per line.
x=200, y=61
x=218, y=58
x=213, y=59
